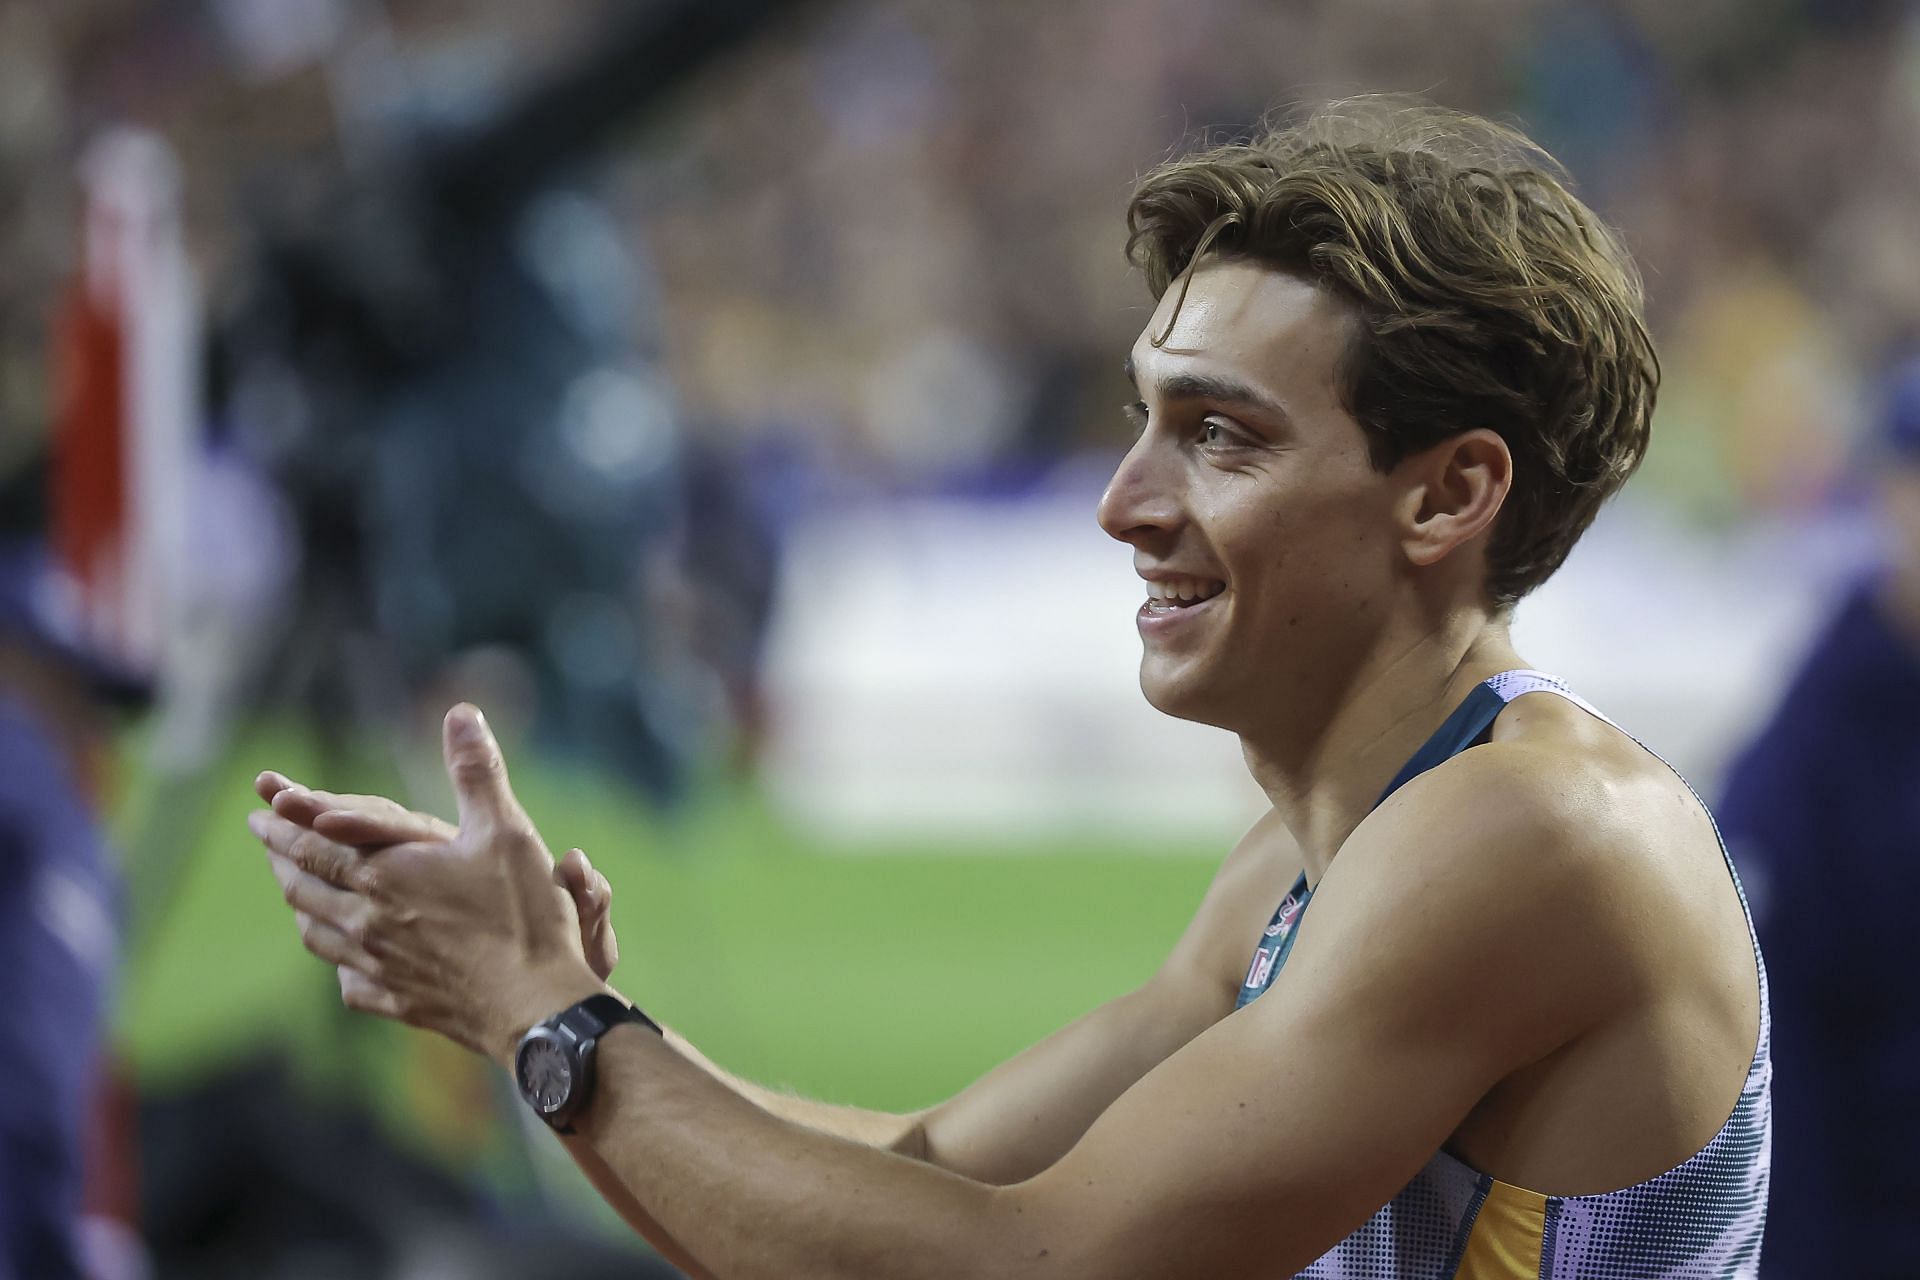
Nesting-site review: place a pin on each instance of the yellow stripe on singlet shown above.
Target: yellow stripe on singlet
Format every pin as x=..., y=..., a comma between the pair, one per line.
x=1508, y=1235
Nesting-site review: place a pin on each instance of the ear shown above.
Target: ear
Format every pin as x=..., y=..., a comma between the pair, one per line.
x=1454, y=490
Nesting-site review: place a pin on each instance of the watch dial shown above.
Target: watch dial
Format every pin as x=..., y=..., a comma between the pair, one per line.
x=546, y=1075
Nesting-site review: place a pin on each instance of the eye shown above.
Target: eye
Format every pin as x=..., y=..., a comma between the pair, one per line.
x=1136, y=416
x=1219, y=434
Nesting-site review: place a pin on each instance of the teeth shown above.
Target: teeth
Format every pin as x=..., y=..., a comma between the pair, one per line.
x=1183, y=590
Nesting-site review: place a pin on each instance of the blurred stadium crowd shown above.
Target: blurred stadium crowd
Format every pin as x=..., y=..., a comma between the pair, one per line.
x=514, y=340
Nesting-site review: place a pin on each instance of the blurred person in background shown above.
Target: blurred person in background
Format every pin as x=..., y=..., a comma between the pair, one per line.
x=59, y=926
x=1823, y=813
x=1394, y=371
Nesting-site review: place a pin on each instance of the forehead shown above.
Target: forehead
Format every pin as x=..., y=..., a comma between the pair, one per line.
x=1272, y=329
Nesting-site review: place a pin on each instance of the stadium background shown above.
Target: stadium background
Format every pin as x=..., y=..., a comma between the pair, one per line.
x=719, y=394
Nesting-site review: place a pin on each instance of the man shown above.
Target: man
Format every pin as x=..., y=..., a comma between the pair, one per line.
x=1824, y=807
x=1508, y=1019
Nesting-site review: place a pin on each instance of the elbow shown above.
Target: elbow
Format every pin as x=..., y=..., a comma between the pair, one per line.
x=911, y=1141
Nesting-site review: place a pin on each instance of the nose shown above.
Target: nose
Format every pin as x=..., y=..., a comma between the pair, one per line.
x=1142, y=500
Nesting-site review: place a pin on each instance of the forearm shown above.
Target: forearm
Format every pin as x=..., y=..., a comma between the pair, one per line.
x=755, y=1196
x=615, y=1193
x=1027, y=1113
x=900, y=1133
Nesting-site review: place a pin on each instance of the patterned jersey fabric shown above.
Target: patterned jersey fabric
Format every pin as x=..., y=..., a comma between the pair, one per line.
x=1700, y=1219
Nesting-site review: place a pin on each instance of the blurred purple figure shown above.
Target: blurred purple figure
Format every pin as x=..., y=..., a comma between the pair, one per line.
x=58, y=926
x=1823, y=813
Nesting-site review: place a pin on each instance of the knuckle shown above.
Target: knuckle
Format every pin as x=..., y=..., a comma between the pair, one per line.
x=309, y=850
x=478, y=764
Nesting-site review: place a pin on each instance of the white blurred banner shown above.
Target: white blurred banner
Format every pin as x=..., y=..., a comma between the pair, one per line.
x=965, y=668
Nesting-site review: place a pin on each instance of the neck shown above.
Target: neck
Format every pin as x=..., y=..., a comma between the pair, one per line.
x=1324, y=772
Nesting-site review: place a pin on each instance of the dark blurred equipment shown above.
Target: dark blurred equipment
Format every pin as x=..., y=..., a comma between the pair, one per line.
x=244, y=1168
x=446, y=363
x=1822, y=811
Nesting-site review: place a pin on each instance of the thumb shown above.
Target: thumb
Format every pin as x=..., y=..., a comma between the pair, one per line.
x=479, y=774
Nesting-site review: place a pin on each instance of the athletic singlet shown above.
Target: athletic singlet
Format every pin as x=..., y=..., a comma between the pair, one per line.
x=1700, y=1219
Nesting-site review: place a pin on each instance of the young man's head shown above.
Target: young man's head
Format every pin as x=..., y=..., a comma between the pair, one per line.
x=1395, y=369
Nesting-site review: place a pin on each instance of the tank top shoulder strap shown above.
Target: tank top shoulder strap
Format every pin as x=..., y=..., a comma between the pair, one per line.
x=1468, y=724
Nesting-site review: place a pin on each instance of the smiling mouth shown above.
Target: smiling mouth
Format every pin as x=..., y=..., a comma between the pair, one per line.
x=1172, y=595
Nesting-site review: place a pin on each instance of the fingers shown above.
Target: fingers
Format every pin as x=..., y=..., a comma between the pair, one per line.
x=602, y=947
x=350, y=819
x=332, y=944
x=339, y=865
x=269, y=784
x=315, y=897
x=575, y=874
x=592, y=892
x=296, y=803
x=358, y=991
x=478, y=772
x=380, y=822
x=593, y=899
x=569, y=872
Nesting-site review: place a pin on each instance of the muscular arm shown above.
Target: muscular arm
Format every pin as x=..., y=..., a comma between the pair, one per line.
x=884, y=1129
x=1250, y=1150
x=1023, y=1115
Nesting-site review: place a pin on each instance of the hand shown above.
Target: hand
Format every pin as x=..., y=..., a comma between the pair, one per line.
x=371, y=822
x=461, y=933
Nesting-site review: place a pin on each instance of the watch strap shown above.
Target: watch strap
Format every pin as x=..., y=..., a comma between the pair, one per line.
x=591, y=1018
x=576, y=1031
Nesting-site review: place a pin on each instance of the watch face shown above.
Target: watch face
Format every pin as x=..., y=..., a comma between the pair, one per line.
x=546, y=1074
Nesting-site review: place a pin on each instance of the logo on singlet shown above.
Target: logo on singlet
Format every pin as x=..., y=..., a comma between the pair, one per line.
x=1284, y=918
x=1262, y=966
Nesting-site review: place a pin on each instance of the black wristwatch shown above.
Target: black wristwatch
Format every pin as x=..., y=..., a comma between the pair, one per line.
x=554, y=1064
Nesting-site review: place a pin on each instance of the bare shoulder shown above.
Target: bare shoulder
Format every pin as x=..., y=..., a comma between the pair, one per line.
x=1558, y=796
x=1527, y=862
x=1563, y=831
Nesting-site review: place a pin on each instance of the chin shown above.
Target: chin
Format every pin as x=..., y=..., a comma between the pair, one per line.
x=1182, y=695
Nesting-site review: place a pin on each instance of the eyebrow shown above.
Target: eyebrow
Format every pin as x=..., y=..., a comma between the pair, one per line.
x=1211, y=386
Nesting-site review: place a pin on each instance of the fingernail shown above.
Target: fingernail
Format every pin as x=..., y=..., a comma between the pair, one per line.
x=468, y=725
x=256, y=821
x=586, y=863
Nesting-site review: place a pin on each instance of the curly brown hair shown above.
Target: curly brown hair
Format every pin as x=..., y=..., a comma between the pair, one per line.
x=1488, y=296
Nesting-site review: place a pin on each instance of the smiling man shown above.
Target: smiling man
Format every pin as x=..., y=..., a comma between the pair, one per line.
x=1478, y=998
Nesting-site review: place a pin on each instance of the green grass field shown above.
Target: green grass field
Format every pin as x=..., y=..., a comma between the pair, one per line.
x=889, y=980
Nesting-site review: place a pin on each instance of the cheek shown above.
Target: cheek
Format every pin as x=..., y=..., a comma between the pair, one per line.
x=1328, y=562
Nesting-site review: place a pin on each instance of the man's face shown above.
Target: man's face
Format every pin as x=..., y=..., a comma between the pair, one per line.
x=1265, y=535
